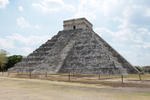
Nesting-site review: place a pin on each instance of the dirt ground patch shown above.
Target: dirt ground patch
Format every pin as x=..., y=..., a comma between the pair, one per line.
x=32, y=89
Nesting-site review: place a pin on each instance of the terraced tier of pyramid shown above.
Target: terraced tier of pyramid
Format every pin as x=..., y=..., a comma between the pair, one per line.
x=76, y=49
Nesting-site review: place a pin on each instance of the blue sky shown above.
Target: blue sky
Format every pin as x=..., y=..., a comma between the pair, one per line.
x=124, y=24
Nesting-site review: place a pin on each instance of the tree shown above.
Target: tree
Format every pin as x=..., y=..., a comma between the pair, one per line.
x=146, y=69
x=12, y=60
x=139, y=68
x=3, y=59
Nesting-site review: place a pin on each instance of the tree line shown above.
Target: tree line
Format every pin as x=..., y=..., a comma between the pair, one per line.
x=6, y=61
x=143, y=69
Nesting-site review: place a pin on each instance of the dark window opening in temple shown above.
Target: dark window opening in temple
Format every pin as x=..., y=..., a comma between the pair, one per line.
x=74, y=27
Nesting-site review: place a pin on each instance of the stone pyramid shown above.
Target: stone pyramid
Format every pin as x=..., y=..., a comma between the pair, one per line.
x=76, y=49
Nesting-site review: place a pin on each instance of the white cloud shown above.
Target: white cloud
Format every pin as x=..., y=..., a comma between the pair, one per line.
x=129, y=30
x=132, y=32
x=5, y=43
x=22, y=23
x=147, y=12
x=83, y=8
x=27, y=50
x=37, y=27
x=20, y=8
x=103, y=31
x=22, y=44
x=92, y=9
x=3, y=3
x=48, y=6
x=27, y=40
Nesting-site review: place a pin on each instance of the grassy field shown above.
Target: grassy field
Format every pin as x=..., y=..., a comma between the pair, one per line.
x=33, y=89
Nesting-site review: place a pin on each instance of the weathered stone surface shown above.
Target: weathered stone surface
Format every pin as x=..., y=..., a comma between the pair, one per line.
x=79, y=51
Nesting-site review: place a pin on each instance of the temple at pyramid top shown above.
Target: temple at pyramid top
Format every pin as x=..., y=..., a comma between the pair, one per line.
x=79, y=23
